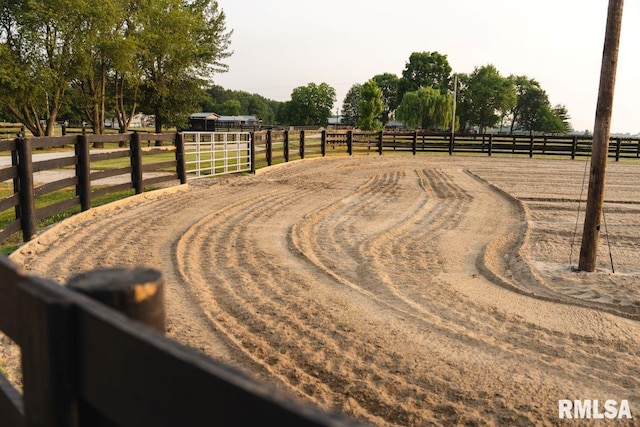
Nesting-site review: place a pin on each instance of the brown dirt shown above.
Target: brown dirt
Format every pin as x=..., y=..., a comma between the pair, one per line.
x=399, y=290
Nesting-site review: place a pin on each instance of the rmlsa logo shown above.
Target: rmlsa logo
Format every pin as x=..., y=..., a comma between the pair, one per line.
x=591, y=409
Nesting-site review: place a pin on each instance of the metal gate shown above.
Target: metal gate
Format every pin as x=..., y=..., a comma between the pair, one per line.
x=216, y=153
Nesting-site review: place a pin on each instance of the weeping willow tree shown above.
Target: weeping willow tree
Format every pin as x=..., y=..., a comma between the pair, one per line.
x=426, y=108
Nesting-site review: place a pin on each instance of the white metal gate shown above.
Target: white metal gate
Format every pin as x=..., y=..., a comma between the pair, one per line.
x=216, y=153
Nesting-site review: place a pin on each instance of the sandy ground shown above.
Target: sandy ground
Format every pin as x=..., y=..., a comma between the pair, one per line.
x=399, y=290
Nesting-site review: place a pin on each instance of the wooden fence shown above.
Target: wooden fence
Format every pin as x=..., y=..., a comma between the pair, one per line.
x=84, y=364
x=268, y=148
x=142, y=149
x=276, y=146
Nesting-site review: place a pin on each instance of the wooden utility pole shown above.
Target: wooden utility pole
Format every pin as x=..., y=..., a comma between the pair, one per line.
x=600, y=148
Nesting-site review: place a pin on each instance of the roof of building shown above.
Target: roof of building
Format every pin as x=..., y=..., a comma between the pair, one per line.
x=206, y=116
x=237, y=118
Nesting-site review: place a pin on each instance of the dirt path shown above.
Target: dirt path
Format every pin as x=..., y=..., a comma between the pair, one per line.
x=395, y=289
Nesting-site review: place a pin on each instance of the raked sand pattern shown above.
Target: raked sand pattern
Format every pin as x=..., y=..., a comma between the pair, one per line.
x=399, y=290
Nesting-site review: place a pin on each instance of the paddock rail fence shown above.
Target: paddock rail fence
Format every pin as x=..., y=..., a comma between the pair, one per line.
x=277, y=146
x=85, y=364
x=241, y=153
x=149, y=162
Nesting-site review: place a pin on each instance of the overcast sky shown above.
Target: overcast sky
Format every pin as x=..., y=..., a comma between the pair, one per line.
x=279, y=45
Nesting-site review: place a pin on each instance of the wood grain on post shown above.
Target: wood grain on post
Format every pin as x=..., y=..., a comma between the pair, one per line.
x=136, y=292
x=601, y=132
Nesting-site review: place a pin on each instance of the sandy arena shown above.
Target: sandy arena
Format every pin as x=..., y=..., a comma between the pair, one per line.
x=400, y=290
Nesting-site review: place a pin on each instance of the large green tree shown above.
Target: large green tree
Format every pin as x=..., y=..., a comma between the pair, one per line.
x=533, y=112
x=427, y=108
x=371, y=106
x=425, y=69
x=181, y=46
x=351, y=105
x=39, y=44
x=311, y=104
x=101, y=43
x=389, y=84
x=486, y=96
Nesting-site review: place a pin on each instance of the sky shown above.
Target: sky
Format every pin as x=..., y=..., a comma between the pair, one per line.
x=279, y=45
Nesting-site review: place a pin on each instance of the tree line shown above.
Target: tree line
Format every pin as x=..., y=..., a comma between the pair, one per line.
x=102, y=59
x=91, y=61
x=423, y=98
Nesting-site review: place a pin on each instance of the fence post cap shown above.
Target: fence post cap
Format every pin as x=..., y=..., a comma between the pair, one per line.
x=136, y=292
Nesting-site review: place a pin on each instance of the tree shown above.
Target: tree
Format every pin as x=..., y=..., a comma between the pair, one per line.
x=389, y=84
x=427, y=108
x=562, y=113
x=532, y=110
x=231, y=107
x=180, y=47
x=552, y=120
x=37, y=58
x=425, y=69
x=371, y=106
x=351, y=105
x=485, y=97
x=532, y=105
x=311, y=104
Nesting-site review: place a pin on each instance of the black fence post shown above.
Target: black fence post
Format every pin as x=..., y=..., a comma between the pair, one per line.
x=323, y=143
x=136, y=163
x=181, y=166
x=618, y=144
x=350, y=142
x=451, y=143
x=26, y=196
x=16, y=181
x=380, y=139
x=83, y=172
x=531, y=146
x=137, y=293
x=285, y=146
x=252, y=153
x=302, y=144
x=490, y=144
x=414, y=143
x=268, y=153
x=574, y=147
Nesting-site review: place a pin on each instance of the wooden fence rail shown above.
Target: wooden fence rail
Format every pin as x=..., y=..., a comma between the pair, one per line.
x=84, y=364
x=143, y=150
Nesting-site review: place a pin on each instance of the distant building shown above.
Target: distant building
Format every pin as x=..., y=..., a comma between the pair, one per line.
x=394, y=124
x=213, y=121
x=203, y=121
x=137, y=121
